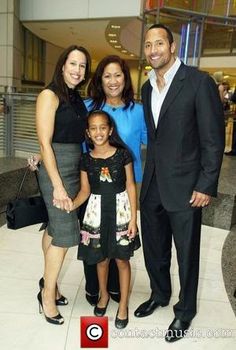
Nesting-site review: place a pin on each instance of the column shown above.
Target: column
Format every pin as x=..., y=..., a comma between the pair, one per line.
x=10, y=41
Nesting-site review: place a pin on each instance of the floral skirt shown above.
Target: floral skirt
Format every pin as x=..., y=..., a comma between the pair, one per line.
x=104, y=229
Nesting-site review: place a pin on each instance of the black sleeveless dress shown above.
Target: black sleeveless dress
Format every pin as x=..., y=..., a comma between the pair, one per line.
x=69, y=131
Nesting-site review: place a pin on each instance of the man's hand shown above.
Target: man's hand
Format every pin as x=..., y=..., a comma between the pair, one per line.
x=199, y=199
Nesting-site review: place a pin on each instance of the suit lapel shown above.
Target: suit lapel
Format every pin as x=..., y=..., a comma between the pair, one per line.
x=149, y=104
x=174, y=89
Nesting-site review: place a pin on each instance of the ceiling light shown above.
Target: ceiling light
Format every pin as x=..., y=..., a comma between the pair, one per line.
x=132, y=55
x=117, y=46
x=111, y=34
x=124, y=51
x=113, y=41
x=115, y=26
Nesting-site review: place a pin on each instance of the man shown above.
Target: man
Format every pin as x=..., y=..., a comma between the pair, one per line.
x=185, y=123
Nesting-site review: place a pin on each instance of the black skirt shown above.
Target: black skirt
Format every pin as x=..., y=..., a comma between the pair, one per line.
x=63, y=227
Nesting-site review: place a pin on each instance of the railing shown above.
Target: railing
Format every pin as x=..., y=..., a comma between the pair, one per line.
x=17, y=125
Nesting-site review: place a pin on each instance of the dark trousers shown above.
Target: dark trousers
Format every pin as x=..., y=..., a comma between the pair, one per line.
x=91, y=278
x=158, y=227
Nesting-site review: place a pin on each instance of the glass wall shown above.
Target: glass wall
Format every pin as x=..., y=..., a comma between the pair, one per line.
x=219, y=40
x=205, y=27
x=210, y=7
x=33, y=59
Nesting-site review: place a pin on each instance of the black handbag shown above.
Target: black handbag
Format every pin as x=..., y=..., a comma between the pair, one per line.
x=22, y=212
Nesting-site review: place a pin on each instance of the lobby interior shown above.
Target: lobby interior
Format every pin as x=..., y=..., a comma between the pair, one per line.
x=21, y=259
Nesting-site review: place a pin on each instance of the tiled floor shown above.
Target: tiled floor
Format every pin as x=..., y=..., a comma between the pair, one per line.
x=22, y=327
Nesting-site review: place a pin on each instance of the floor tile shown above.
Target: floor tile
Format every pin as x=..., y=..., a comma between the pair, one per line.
x=22, y=327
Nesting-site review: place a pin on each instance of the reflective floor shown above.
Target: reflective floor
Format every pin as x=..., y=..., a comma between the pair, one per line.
x=22, y=327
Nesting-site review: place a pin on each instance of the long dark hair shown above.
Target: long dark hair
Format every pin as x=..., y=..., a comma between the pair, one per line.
x=95, y=89
x=114, y=138
x=58, y=80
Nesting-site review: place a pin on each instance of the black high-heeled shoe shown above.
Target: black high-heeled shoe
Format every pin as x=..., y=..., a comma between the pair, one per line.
x=100, y=311
x=59, y=302
x=58, y=319
x=121, y=323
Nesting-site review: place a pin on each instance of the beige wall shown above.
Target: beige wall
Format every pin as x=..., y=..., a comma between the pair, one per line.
x=78, y=9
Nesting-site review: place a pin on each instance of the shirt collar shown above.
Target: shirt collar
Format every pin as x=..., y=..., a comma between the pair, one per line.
x=169, y=75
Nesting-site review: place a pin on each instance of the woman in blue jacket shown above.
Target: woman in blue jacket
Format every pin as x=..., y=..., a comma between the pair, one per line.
x=111, y=90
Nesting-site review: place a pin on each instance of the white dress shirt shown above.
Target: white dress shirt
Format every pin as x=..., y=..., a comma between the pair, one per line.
x=159, y=96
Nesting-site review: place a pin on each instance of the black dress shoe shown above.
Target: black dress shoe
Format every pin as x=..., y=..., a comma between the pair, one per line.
x=177, y=330
x=121, y=323
x=147, y=308
x=100, y=311
x=115, y=296
x=235, y=293
x=92, y=299
x=231, y=153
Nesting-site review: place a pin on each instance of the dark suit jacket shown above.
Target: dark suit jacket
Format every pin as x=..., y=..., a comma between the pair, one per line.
x=186, y=148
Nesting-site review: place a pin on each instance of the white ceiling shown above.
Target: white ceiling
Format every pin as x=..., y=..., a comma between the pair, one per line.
x=92, y=34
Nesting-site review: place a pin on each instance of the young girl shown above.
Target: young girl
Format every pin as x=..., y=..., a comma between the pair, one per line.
x=109, y=225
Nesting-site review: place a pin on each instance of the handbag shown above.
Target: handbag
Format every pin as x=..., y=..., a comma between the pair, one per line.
x=22, y=212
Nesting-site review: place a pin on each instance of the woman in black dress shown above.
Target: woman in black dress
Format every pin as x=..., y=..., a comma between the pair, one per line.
x=61, y=122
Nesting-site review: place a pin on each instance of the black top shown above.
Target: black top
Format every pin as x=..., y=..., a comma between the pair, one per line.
x=70, y=119
x=98, y=167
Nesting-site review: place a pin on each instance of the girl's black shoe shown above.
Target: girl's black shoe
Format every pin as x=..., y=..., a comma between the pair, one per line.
x=92, y=299
x=100, y=311
x=58, y=319
x=115, y=296
x=59, y=302
x=121, y=323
